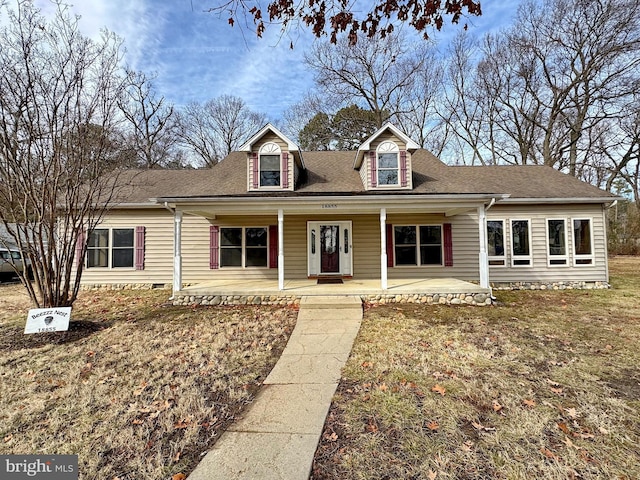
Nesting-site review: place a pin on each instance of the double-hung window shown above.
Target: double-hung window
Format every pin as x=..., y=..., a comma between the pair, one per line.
x=520, y=243
x=110, y=248
x=557, y=242
x=244, y=247
x=418, y=245
x=495, y=242
x=388, y=164
x=582, y=242
x=269, y=170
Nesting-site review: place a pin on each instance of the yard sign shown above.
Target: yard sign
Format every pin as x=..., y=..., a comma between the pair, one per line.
x=43, y=320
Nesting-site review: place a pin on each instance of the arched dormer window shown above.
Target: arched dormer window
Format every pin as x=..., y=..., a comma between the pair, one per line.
x=270, y=175
x=388, y=164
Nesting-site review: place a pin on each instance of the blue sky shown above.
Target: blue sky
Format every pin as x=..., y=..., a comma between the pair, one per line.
x=197, y=55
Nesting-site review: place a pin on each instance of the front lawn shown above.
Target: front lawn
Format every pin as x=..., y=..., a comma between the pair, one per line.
x=543, y=385
x=137, y=388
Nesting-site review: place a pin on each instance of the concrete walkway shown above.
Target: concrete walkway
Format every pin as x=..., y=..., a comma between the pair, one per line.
x=277, y=437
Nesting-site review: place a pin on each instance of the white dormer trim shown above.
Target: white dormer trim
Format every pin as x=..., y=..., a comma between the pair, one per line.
x=366, y=145
x=270, y=148
x=291, y=145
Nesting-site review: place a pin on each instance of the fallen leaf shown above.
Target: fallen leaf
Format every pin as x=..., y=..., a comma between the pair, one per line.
x=433, y=426
x=176, y=457
x=333, y=437
x=571, y=412
x=548, y=453
x=496, y=406
x=383, y=387
x=179, y=476
x=8, y=438
x=603, y=430
x=439, y=389
x=563, y=427
x=137, y=421
x=557, y=391
x=567, y=441
x=482, y=428
x=367, y=364
x=432, y=475
x=529, y=402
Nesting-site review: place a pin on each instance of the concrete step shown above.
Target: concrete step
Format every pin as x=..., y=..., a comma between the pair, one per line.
x=330, y=301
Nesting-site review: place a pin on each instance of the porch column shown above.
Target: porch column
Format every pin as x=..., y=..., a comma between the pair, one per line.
x=383, y=248
x=177, y=251
x=483, y=257
x=280, y=249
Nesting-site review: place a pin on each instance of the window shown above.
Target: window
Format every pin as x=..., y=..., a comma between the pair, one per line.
x=110, y=248
x=495, y=242
x=270, y=165
x=520, y=243
x=556, y=242
x=582, y=242
x=388, y=164
x=243, y=247
x=418, y=245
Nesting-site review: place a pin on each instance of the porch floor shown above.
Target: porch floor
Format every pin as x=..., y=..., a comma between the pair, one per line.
x=308, y=287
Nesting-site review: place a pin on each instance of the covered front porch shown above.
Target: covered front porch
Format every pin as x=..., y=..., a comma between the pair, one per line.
x=426, y=291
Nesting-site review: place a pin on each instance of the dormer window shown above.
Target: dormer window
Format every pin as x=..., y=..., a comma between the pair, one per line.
x=269, y=159
x=388, y=164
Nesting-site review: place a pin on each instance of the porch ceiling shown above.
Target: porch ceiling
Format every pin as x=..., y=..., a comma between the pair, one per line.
x=349, y=287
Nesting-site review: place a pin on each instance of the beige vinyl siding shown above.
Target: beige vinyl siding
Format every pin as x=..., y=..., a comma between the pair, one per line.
x=158, y=253
x=465, y=238
x=195, y=249
x=540, y=271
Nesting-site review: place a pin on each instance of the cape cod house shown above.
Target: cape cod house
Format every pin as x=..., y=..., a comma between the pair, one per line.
x=389, y=220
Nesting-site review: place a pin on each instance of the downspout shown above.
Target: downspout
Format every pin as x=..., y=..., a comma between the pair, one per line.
x=606, y=236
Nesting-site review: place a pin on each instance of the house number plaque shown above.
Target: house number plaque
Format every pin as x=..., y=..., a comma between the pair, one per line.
x=329, y=205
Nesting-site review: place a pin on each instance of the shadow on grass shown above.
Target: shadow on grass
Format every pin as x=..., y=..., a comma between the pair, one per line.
x=13, y=338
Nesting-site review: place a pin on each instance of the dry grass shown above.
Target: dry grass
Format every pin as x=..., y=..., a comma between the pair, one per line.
x=543, y=385
x=138, y=389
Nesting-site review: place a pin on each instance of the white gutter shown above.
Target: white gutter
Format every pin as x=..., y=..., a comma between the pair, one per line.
x=530, y=201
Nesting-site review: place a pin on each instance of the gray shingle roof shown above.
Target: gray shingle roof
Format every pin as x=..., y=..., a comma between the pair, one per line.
x=332, y=173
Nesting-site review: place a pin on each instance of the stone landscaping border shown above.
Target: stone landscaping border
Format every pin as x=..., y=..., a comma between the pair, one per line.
x=551, y=286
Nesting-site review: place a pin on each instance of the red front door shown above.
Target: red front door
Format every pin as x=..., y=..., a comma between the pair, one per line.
x=329, y=249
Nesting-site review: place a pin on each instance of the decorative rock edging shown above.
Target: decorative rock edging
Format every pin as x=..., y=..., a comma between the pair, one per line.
x=125, y=286
x=479, y=299
x=551, y=286
x=237, y=300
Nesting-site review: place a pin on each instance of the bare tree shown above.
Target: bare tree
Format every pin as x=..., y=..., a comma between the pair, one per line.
x=58, y=93
x=151, y=121
x=217, y=127
x=378, y=74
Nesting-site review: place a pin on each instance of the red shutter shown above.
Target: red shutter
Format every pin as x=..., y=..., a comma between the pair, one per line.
x=285, y=170
x=273, y=246
x=389, y=245
x=214, y=246
x=79, y=247
x=254, y=167
x=403, y=168
x=372, y=163
x=448, y=245
x=139, y=253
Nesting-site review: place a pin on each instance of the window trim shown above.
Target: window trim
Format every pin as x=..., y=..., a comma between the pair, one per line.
x=270, y=149
x=243, y=247
x=498, y=258
x=388, y=146
x=110, y=248
x=550, y=257
x=591, y=257
x=418, y=245
x=515, y=257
